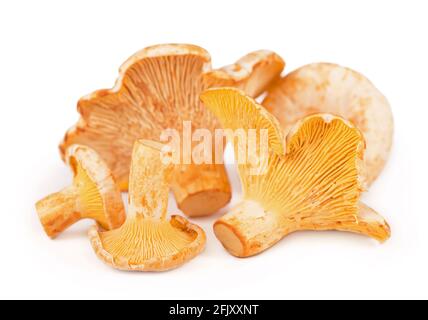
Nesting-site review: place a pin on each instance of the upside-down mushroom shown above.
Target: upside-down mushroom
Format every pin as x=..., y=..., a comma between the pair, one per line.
x=329, y=88
x=148, y=241
x=311, y=182
x=158, y=88
x=92, y=195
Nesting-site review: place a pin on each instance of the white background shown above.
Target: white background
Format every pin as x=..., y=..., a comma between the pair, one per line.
x=53, y=52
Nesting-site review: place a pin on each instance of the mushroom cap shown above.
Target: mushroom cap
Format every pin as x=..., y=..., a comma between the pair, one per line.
x=348, y=142
x=236, y=110
x=100, y=197
x=159, y=245
x=158, y=88
x=252, y=73
x=330, y=88
x=153, y=93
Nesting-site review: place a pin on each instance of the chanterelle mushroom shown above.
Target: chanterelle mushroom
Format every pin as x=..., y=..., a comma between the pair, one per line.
x=93, y=195
x=147, y=241
x=159, y=89
x=311, y=184
x=324, y=87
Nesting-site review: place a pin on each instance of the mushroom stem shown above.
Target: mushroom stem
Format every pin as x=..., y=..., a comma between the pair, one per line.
x=147, y=200
x=201, y=189
x=59, y=211
x=249, y=229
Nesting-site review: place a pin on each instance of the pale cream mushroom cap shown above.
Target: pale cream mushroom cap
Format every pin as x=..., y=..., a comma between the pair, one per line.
x=330, y=88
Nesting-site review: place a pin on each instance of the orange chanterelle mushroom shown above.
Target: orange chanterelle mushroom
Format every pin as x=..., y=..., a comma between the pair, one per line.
x=93, y=195
x=311, y=181
x=159, y=89
x=147, y=241
x=324, y=87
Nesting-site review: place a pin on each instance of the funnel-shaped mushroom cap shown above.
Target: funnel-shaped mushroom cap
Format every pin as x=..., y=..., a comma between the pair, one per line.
x=313, y=185
x=93, y=195
x=148, y=241
x=329, y=88
x=158, y=89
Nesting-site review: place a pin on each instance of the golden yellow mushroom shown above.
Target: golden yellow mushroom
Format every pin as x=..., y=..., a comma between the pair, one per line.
x=158, y=88
x=329, y=88
x=148, y=241
x=93, y=195
x=313, y=183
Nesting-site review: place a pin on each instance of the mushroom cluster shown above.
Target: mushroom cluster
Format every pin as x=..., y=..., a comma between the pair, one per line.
x=328, y=133
x=158, y=89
